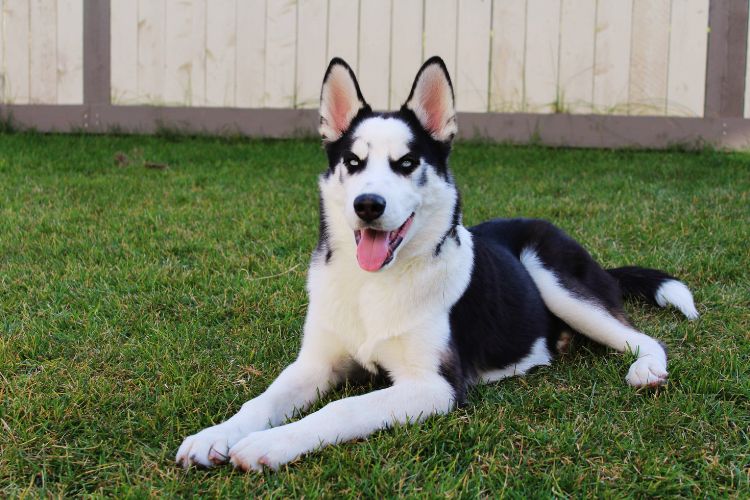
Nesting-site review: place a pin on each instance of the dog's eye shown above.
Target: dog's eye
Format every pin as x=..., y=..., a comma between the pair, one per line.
x=407, y=162
x=352, y=161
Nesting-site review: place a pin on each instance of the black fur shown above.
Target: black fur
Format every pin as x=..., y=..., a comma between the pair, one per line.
x=501, y=314
x=640, y=282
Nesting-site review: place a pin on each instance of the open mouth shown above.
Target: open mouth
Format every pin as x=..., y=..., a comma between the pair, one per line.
x=375, y=248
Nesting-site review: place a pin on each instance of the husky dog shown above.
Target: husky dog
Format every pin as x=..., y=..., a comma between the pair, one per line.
x=398, y=284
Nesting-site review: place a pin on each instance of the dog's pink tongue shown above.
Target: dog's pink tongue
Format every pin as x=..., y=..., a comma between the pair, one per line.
x=372, y=249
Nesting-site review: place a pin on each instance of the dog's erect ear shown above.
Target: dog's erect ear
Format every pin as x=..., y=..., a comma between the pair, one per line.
x=340, y=100
x=431, y=99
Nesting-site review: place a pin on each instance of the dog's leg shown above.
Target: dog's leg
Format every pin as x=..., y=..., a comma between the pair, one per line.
x=344, y=420
x=298, y=386
x=581, y=309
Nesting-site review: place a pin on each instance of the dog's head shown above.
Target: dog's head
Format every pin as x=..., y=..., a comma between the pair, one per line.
x=388, y=191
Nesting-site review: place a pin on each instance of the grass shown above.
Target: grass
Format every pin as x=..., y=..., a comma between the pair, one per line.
x=139, y=305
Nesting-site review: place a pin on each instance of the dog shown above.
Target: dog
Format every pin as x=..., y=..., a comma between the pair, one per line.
x=398, y=284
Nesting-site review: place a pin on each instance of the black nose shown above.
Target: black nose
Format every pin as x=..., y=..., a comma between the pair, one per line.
x=369, y=206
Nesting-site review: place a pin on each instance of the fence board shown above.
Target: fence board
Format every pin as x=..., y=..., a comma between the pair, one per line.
x=180, y=32
x=69, y=51
x=406, y=48
x=440, y=24
x=508, y=55
x=178, y=49
x=311, y=51
x=577, y=32
x=542, y=56
x=151, y=19
x=251, y=54
x=3, y=75
x=221, y=48
x=473, y=47
x=343, y=22
x=688, y=45
x=649, y=59
x=374, y=51
x=42, y=52
x=124, y=52
x=612, y=56
x=281, y=39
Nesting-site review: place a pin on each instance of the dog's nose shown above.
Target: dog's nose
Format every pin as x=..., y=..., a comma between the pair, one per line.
x=369, y=206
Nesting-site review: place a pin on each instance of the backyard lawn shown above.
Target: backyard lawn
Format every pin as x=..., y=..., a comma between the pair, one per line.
x=150, y=285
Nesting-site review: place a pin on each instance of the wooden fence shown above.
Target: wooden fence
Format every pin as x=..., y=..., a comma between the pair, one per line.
x=567, y=72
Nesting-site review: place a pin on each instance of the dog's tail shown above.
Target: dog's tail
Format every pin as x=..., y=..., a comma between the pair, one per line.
x=656, y=287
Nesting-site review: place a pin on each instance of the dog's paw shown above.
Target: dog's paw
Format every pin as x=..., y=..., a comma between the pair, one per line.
x=271, y=448
x=207, y=448
x=647, y=372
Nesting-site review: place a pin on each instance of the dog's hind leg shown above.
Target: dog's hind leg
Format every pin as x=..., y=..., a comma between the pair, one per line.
x=590, y=303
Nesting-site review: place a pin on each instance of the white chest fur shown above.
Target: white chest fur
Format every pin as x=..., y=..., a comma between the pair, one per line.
x=397, y=318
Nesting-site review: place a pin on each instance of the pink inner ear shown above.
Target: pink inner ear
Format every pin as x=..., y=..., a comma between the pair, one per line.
x=340, y=105
x=433, y=103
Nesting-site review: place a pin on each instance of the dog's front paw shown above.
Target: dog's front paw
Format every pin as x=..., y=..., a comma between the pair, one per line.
x=207, y=448
x=271, y=448
x=647, y=372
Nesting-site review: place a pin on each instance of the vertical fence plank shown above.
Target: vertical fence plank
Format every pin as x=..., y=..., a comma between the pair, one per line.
x=281, y=40
x=472, y=66
x=612, y=56
x=343, y=22
x=2, y=51
x=727, y=58
x=124, y=52
x=576, y=82
x=42, y=51
x=542, y=56
x=508, y=51
x=181, y=27
x=311, y=51
x=69, y=51
x=221, y=49
x=688, y=44
x=198, y=63
x=649, y=59
x=150, y=51
x=251, y=54
x=406, y=48
x=440, y=18
x=374, y=51
x=746, y=112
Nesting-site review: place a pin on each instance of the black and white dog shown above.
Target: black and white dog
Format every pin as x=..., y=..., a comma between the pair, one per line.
x=398, y=284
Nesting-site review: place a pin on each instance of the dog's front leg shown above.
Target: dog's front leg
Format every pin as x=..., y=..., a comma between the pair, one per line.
x=297, y=387
x=351, y=418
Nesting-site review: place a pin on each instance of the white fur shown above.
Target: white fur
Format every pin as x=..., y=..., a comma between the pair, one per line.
x=595, y=322
x=378, y=141
x=539, y=356
x=396, y=318
x=676, y=293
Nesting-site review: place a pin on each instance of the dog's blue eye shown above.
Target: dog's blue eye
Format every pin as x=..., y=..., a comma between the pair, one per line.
x=407, y=162
x=352, y=161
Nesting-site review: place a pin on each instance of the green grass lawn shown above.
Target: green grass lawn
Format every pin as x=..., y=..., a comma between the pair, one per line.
x=140, y=305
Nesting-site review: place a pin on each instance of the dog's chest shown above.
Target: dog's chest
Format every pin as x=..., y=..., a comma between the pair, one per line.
x=376, y=317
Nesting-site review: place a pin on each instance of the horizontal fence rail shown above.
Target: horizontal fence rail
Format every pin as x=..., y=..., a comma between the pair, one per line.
x=643, y=73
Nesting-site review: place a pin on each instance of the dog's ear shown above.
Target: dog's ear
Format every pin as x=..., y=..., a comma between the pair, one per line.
x=340, y=100
x=431, y=99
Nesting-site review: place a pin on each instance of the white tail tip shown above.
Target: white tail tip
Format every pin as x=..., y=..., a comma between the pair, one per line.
x=677, y=293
